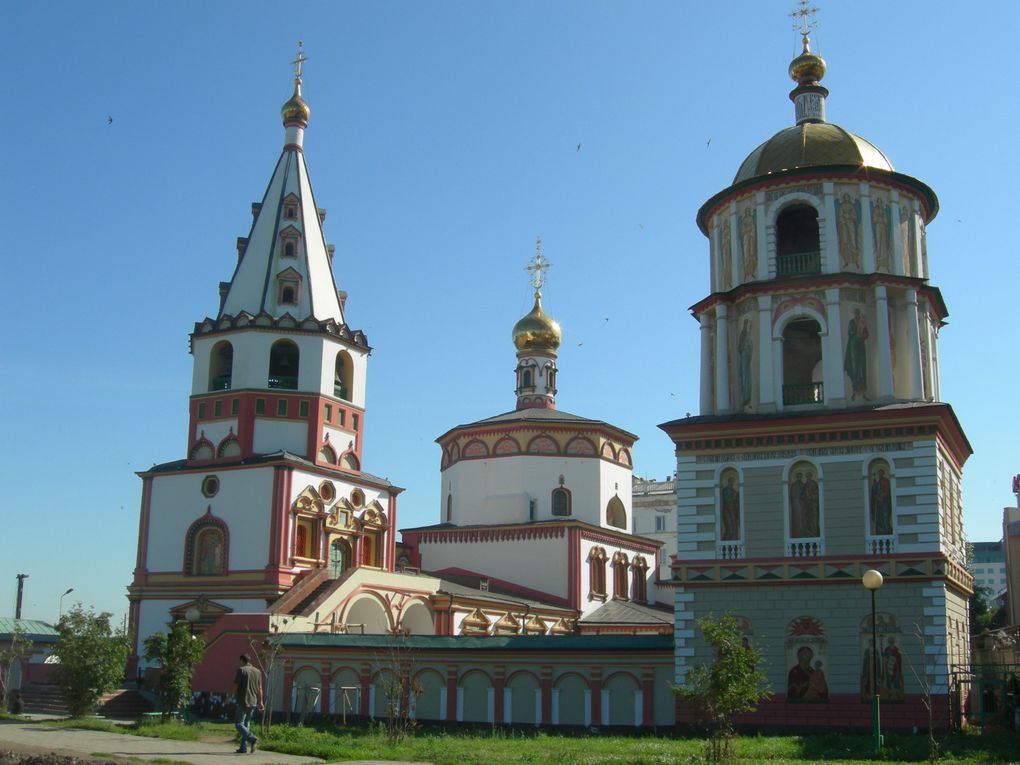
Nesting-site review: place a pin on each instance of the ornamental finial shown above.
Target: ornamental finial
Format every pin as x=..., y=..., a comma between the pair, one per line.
x=300, y=59
x=804, y=21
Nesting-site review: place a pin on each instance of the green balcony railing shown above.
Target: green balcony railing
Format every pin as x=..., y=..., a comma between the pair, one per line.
x=803, y=393
x=284, y=382
x=221, y=382
x=797, y=263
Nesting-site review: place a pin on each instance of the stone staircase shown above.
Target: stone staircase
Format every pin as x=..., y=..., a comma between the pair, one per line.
x=125, y=703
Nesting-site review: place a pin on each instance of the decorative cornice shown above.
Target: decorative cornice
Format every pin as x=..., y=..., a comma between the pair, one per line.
x=902, y=567
x=268, y=322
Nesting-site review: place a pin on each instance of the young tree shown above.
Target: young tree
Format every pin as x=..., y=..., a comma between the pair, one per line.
x=10, y=656
x=729, y=685
x=92, y=656
x=177, y=653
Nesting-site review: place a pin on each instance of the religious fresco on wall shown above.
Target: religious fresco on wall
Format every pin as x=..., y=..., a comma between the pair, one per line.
x=855, y=358
x=805, y=516
x=848, y=223
x=807, y=649
x=880, y=515
x=749, y=243
x=889, y=664
x=726, y=254
x=745, y=358
x=881, y=228
x=209, y=559
x=729, y=505
x=907, y=240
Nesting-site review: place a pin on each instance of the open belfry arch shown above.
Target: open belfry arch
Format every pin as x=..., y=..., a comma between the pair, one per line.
x=822, y=447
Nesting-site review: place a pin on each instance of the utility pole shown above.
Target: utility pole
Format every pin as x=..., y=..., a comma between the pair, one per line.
x=21, y=591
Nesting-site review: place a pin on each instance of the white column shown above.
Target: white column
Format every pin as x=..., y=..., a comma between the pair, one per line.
x=714, y=275
x=897, y=240
x=828, y=238
x=917, y=227
x=507, y=706
x=722, y=359
x=490, y=705
x=412, y=705
x=587, y=707
x=460, y=704
x=867, y=232
x=734, y=254
x=555, y=720
x=604, y=708
x=884, y=354
x=706, y=363
x=538, y=706
x=766, y=378
x=913, y=344
x=832, y=351
x=639, y=707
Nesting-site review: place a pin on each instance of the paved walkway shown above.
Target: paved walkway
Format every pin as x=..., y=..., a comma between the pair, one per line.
x=76, y=741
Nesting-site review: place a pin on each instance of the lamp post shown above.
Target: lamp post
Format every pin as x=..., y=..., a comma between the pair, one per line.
x=60, y=602
x=872, y=580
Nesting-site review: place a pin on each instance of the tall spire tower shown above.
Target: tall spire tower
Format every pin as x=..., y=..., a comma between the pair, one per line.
x=270, y=491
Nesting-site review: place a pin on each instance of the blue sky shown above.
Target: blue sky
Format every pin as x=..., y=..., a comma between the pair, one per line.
x=442, y=140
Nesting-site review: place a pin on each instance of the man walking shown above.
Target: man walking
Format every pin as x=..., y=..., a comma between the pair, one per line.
x=248, y=698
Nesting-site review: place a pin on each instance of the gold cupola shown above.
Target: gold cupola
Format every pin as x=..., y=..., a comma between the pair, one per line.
x=296, y=110
x=808, y=68
x=537, y=331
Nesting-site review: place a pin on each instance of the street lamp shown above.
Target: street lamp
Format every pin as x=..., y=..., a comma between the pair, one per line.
x=60, y=602
x=872, y=580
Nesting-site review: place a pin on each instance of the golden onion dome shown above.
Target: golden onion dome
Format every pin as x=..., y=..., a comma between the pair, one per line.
x=537, y=331
x=811, y=144
x=808, y=67
x=296, y=109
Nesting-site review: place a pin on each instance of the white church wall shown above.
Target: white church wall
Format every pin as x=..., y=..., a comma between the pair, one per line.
x=538, y=564
x=339, y=438
x=473, y=482
x=242, y=503
x=272, y=435
x=302, y=479
x=327, y=371
x=217, y=430
x=614, y=481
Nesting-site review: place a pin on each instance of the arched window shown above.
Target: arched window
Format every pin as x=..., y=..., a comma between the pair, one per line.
x=527, y=381
x=339, y=557
x=203, y=450
x=620, y=565
x=798, y=250
x=729, y=506
x=597, y=573
x=221, y=366
x=343, y=376
x=349, y=461
x=802, y=363
x=229, y=447
x=289, y=248
x=449, y=508
x=287, y=295
x=284, y=360
x=327, y=454
x=560, y=501
x=305, y=538
x=616, y=514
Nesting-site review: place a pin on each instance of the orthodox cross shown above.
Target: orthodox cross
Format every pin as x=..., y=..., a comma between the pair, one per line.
x=538, y=266
x=803, y=18
x=297, y=62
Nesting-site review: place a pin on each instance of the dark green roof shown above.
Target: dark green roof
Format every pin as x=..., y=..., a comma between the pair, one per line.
x=484, y=643
x=35, y=630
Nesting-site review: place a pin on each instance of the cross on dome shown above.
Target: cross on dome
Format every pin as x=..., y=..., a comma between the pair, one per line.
x=300, y=59
x=803, y=18
x=538, y=266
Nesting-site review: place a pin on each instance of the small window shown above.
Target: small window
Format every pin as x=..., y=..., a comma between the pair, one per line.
x=235, y=405
x=327, y=413
x=357, y=498
x=342, y=418
x=560, y=502
x=260, y=406
x=303, y=409
x=290, y=212
x=288, y=249
x=210, y=485
x=201, y=411
x=532, y=509
x=660, y=523
x=217, y=408
x=354, y=422
x=281, y=407
x=287, y=295
x=526, y=379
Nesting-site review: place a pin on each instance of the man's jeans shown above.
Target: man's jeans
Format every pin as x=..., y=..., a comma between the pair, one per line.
x=242, y=718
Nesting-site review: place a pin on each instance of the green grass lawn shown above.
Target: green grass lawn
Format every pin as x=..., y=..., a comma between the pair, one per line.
x=335, y=743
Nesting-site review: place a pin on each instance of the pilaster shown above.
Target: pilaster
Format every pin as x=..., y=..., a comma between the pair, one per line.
x=722, y=359
x=885, y=371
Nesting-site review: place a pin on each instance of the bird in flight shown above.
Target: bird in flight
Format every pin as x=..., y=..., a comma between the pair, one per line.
x=109, y=120
x=578, y=147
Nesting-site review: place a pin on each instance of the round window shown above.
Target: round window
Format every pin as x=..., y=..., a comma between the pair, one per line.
x=327, y=492
x=210, y=485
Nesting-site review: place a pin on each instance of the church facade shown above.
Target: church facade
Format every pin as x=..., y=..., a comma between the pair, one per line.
x=823, y=448
x=530, y=601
